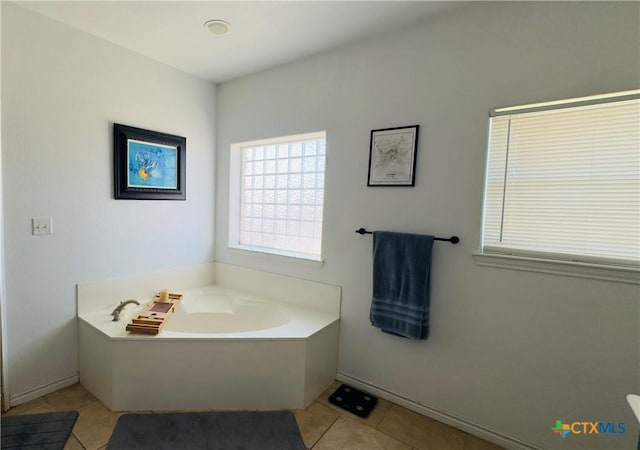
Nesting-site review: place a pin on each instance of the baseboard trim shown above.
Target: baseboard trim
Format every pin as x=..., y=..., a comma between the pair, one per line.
x=457, y=422
x=32, y=394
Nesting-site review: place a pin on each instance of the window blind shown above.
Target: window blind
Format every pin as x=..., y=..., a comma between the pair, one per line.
x=564, y=183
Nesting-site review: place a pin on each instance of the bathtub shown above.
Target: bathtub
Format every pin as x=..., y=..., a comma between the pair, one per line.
x=224, y=348
x=218, y=310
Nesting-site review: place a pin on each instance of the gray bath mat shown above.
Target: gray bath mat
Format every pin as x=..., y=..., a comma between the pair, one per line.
x=274, y=430
x=48, y=431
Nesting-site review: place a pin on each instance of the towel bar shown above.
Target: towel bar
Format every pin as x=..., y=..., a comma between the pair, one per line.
x=452, y=239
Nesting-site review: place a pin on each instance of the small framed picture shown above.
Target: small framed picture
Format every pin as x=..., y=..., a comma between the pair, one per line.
x=392, y=156
x=148, y=165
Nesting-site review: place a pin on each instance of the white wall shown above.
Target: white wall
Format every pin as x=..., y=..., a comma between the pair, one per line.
x=509, y=351
x=3, y=351
x=61, y=92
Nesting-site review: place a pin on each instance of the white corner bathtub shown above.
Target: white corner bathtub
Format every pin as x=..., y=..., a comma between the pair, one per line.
x=221, y=349
x=218, y=310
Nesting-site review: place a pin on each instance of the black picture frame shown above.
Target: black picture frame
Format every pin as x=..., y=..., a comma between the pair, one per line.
x=148, y=165
x=392, y=156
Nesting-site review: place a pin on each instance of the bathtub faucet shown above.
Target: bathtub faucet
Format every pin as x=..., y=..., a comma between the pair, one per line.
x=116, y=312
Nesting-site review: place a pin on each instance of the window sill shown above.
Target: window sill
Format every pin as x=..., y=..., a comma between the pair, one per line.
x=622, y=274
x=273, y=256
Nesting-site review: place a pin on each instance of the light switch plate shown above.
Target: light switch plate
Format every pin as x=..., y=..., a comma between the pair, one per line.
x=40, y=227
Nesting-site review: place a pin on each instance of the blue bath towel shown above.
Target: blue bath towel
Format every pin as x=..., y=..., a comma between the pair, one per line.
x=401, y=267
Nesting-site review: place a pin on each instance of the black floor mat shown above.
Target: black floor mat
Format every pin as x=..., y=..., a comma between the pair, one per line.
x=353, y=400
x=48, y=431
x=248, y=430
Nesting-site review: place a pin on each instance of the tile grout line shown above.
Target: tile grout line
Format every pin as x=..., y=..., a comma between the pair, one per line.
x=326, y=431
x=78, y=439
x=377, y=428
x=82, y=444
x=363, y=422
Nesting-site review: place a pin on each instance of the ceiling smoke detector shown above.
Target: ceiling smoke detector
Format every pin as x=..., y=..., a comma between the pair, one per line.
x=217, y=27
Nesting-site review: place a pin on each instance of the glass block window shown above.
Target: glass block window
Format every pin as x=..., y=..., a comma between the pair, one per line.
x=279, y=195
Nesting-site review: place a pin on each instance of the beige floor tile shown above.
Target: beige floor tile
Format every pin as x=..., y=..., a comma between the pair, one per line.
x=323, y=426
x=474, y=443
x=95, y=425
x=374, y=418
x=420, y=431
x=37, y=406
x=314, y=421
x=73, y=444
x=350, y=434
x=70, y=398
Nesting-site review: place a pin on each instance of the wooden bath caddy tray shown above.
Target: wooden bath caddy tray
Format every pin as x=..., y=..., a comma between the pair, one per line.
x=155, y=315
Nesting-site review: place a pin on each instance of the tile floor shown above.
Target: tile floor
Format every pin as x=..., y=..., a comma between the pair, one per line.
x=323, y=426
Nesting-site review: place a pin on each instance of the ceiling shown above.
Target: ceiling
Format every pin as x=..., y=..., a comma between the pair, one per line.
x=264, y=34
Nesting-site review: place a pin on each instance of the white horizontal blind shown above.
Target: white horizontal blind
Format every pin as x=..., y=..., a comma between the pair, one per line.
x=565, y=183
x=282, y=196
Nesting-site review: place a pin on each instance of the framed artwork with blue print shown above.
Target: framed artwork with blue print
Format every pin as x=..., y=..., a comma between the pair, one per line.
x=148, y=165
